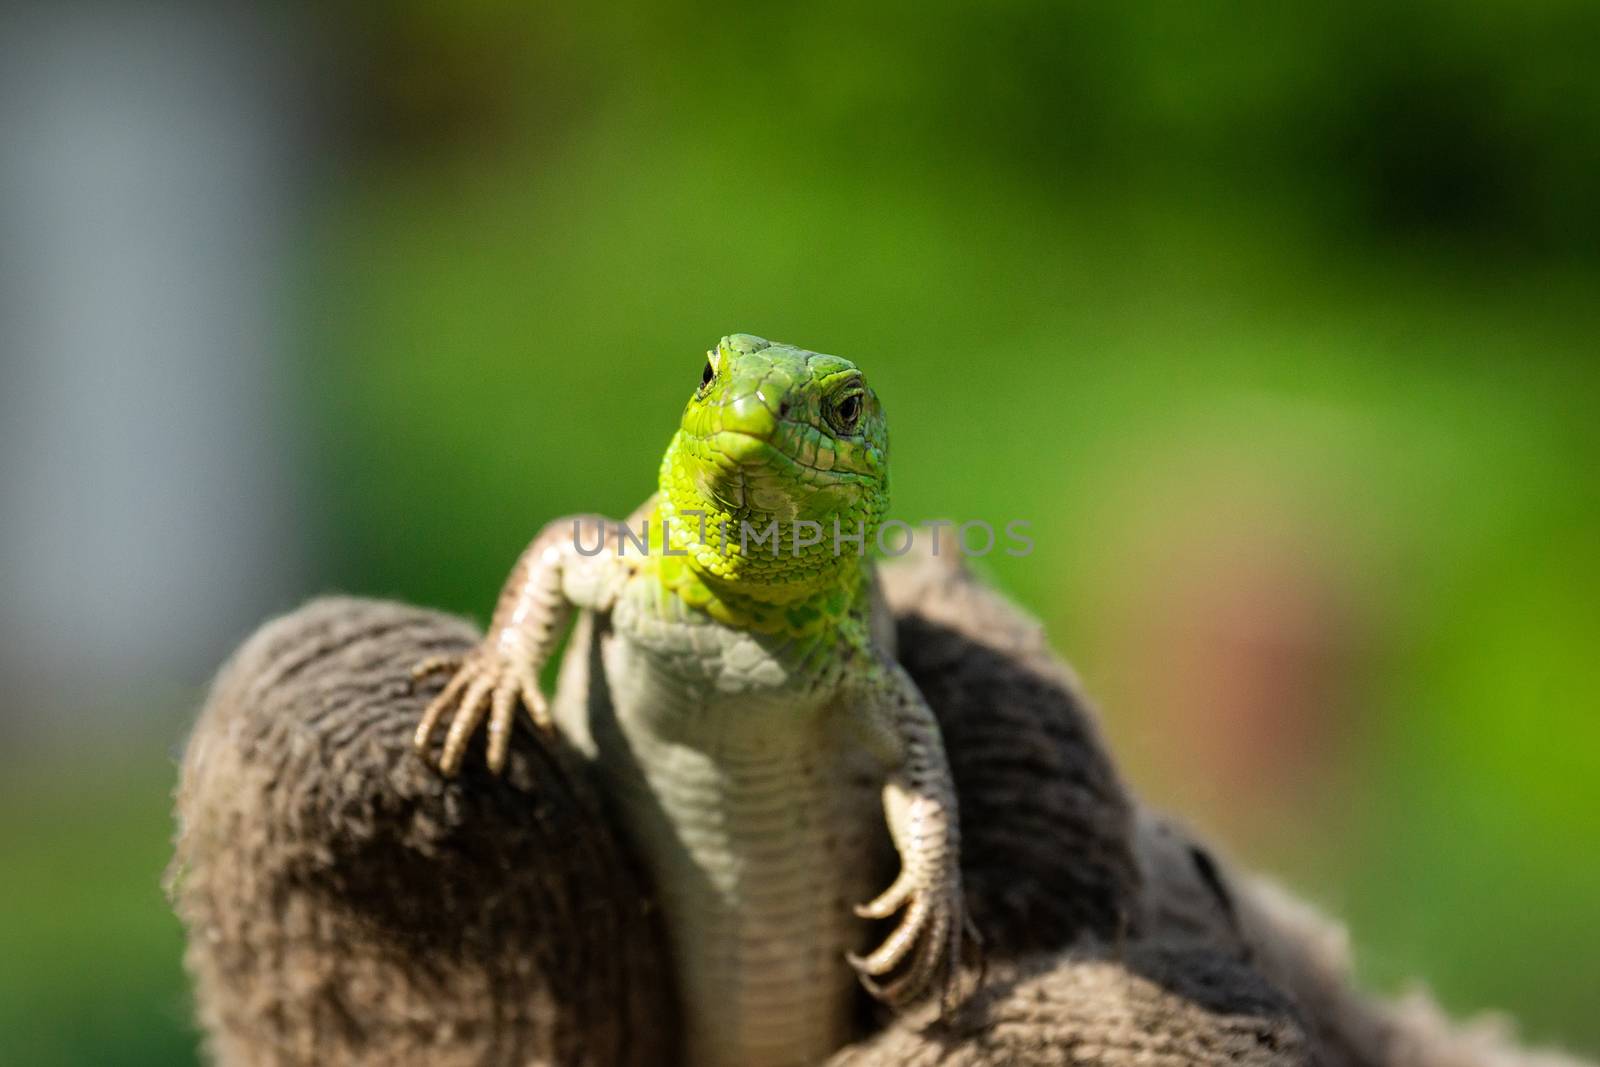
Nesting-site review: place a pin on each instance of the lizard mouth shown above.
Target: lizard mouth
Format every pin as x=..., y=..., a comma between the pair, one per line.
x=755, y=450
x=747, y=472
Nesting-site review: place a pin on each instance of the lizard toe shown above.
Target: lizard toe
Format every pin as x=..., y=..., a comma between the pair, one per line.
x=441, y=664
x=473, y=707
x=897, y=945
x=924, y=968
x=890, y=900
x=533, y=700
x=500, y=719
x=435, y=712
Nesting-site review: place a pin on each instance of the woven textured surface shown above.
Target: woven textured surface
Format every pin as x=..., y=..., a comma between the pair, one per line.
x=1147, y=1005
x=347, y=906
x=1046, y=826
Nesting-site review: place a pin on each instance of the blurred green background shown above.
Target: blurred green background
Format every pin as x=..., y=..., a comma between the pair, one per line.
x=1278, y=323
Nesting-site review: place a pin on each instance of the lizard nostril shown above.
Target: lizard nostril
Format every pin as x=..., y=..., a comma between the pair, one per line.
x=783, y=410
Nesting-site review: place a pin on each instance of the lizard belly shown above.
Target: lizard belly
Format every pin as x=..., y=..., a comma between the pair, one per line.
x=760, y=825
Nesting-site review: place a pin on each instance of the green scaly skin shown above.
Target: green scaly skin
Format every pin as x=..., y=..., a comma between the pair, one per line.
x=744, y=709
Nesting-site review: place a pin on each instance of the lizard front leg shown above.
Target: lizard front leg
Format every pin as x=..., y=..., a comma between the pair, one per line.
x=556, y=574
x=919, y=802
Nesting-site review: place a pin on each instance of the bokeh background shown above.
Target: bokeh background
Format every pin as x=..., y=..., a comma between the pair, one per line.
x=1279, y=322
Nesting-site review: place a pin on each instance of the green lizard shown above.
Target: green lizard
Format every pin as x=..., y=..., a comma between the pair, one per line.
x=737, y=689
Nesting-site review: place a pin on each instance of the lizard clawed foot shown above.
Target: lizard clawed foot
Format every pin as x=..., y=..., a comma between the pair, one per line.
x=484, y=682
x=925, y=948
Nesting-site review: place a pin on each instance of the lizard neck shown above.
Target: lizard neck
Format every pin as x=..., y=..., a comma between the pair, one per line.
x=771, y=571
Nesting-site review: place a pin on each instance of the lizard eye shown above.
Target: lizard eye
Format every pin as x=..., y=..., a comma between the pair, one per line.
x=847, y=413
x=709, y=373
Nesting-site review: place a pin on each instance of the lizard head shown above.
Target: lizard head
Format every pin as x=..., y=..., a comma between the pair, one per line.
x=775, y=433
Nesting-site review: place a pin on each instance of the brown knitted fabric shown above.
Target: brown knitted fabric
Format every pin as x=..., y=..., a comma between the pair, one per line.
x=1149, y=1006
x=1046, y=827
x=345, y=905
x=1054, y=870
